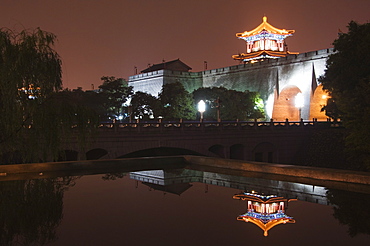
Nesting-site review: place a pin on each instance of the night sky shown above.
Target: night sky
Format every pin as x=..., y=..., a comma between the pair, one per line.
x=109, y=38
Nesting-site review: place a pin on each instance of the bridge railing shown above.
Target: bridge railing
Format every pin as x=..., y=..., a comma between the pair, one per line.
x=211, y=125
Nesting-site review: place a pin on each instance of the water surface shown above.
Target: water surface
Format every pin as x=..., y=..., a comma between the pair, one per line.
x=174, y=207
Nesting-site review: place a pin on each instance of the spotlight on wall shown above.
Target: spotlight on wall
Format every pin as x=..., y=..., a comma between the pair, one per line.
x=299, y=103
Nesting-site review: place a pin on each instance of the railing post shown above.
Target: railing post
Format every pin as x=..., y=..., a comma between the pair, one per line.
x=238, y=124
x=202, y=125
x=138, y=124
x=115, y=126
x=160, y=125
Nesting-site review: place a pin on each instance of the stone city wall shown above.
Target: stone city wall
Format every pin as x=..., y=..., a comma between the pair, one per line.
x=272, y=78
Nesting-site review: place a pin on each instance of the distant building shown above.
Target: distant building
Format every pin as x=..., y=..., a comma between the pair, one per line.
x=175, y=65
x=152, y=79
x=287, y=82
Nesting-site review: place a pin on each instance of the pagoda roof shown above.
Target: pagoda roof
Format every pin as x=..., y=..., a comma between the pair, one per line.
x=267, y=53
x=267, y=224
x=259, y=198
x=265, y=26
x=175, y=65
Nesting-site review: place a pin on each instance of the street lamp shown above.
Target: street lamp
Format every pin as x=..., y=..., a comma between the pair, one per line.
x=201, y=109
x=299, y=103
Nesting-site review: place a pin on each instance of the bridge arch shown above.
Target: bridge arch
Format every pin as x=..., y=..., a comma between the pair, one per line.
x=318, y=100
x=160, y=151
x=237, y=152
x=68, y=155
x=284, y=105
x=218, y=150
x=95, y=154
x=265, y=152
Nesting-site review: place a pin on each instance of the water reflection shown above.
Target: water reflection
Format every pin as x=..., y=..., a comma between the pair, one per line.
x=290, y=190
x=31, y=210
x=175, y=181
x=267, y=211
x=264, y=211
x=351, y=209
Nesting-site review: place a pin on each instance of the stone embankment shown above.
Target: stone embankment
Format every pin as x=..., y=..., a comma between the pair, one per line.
x=136, y=164
x=286, y=170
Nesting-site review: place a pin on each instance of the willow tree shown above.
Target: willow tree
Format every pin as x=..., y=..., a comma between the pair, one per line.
x=38, y=213
x=33, y=116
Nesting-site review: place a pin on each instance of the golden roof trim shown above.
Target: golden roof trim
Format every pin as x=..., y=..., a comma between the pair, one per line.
x=267, y=27
x=269, y=225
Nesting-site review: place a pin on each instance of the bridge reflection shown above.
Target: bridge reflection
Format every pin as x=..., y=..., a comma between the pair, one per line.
x=290, y=190
x=266, y=200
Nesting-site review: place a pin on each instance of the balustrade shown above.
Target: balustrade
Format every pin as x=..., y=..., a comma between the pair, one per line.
x=147, y=126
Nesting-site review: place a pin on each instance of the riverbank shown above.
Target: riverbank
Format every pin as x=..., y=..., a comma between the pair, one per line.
x=34, y=170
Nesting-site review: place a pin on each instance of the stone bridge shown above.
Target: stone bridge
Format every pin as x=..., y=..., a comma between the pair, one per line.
x=274, y=142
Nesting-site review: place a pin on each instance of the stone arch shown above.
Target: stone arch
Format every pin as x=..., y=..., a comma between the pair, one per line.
x=264, y=152
x=15, y=157
x=237, y=152
x=160, y=151
x=284, y=105
x=68, y=155
x=318, y=101
x=218, y=150
x=95, y=154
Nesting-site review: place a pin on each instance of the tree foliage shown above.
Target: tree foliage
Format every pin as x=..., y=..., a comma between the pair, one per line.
x=38, y=213
x=232, y=104
x=176, y=103
x=115, y=93
x=34, y=115
x=351, y=209
x=347, y=78
x=92, y=102
x=144, y=106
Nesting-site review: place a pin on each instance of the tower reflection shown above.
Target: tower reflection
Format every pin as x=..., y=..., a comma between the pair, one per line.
x=264, y=211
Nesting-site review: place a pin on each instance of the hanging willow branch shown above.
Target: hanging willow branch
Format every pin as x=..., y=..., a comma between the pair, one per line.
x=33, y=116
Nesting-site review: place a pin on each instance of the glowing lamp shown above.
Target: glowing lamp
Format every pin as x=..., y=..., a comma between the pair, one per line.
x=201, y=108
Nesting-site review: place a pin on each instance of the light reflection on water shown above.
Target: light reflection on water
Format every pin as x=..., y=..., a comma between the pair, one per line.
x=173, y=207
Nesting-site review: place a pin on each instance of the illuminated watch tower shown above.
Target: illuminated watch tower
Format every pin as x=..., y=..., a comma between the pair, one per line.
x=264, y=42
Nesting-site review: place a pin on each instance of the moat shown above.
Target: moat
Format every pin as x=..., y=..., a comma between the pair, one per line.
x=178, y=205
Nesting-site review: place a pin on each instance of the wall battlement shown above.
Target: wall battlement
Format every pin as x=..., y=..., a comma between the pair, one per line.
x=303, y=57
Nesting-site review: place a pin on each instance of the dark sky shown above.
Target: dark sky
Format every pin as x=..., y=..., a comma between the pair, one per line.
x=109, y=38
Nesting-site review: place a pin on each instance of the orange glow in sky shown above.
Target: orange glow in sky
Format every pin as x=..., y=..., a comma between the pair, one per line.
x=110, y=38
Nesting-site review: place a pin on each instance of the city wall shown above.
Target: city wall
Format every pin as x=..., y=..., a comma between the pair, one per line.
x=278, y=81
